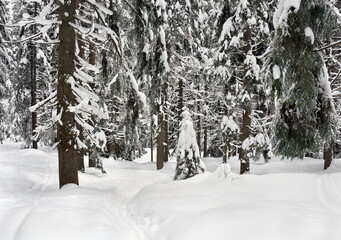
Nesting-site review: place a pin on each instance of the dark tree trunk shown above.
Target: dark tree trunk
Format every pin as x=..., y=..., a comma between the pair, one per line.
x=34, y=80
x=205, y=125
x=245, y=130
x=225, y=147
x=67, y=148
x=151, y=139
x=159, y=142
x=80, y=153
x=245, y=133
x=92, y=61
x=198, y=120
x=165, y=122
x=180, y=103
x=328, y=157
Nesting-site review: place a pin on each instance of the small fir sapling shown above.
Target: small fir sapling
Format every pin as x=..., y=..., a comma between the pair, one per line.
x=187, y=151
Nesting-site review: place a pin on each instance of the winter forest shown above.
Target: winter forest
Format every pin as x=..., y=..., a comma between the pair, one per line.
x=170, y=119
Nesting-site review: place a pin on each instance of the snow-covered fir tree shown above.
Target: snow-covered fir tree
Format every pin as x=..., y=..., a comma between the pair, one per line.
x=305, y=117
x=188, y=158
x=243, y=29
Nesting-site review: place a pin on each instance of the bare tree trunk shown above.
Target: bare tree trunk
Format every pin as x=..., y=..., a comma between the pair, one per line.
x=328, y=157
x=165, y=121
x=34, y=80
x=180, y=103
x=92, y=61
x=205, y=125
x=159, y=142
x=151, y=139
x=67, y=148
x=80, y=153
x=225, y=147
x=245, y=130
x=198, y=120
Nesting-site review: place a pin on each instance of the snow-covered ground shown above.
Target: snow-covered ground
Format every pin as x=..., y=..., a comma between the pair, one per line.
x=279, y=200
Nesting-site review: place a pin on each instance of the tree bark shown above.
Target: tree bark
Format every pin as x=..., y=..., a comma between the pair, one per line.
x=245, y=130
x=328, y=157
x=160, y=147
x=92, y=61
x=165, y=121
x=198, y=120
x=80, y=153
x=67, y=148
x=151, y=139
x=205, y=125
x=245, y=133
x=225, y=147
x=34, y=80
x=180, y=103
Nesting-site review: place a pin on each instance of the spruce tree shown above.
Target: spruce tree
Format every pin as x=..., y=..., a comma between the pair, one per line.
x=305, y=117
x=188, y=159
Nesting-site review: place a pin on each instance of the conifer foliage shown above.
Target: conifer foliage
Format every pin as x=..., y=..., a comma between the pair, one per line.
x=305, y=117
x=188, y=159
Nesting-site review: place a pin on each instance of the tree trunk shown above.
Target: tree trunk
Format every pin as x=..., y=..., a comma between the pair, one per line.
x=165, y=121
x=80, y=153
x=245, y=130
x=92, y=61
x=159, y=147
x=151, y=139
x=198, y=121
x=180, y=103
x=328, y=157
x=67, y=148
x=245, y=133
x=205, y=125
x=225, y=148
x=34, y=80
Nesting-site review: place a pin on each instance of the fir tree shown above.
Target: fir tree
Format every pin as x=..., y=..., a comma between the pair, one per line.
x=305, y=116
x=188, y=159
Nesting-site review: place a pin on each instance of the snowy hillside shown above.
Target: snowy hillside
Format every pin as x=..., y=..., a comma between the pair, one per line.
x=133, y=201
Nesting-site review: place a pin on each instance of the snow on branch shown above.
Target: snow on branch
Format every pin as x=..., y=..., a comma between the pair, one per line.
x=100, y=7
x=40, y=104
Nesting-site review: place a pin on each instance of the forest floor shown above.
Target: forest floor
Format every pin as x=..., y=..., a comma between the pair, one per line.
x=281, y=199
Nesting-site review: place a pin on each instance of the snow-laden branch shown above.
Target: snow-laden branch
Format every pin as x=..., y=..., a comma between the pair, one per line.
x=329, y=46
x=42, y=103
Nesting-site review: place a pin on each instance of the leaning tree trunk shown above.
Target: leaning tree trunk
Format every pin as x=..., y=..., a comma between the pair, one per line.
x=67, y=148
x=245, y=130
x=34, y=80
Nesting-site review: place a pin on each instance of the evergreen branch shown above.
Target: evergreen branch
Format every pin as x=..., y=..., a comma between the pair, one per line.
x=24, y=40
x=329, y=46
x=135, y=11
x=42, y=103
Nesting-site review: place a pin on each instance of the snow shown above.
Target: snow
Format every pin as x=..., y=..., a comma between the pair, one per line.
x=227, y=29
x=283, y=9
x=309, y=34
x=276, y=72
x=279, y=200
x=325, y=84
x=228, y=124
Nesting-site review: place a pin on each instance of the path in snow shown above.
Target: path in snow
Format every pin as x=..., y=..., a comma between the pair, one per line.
x=33, y=208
